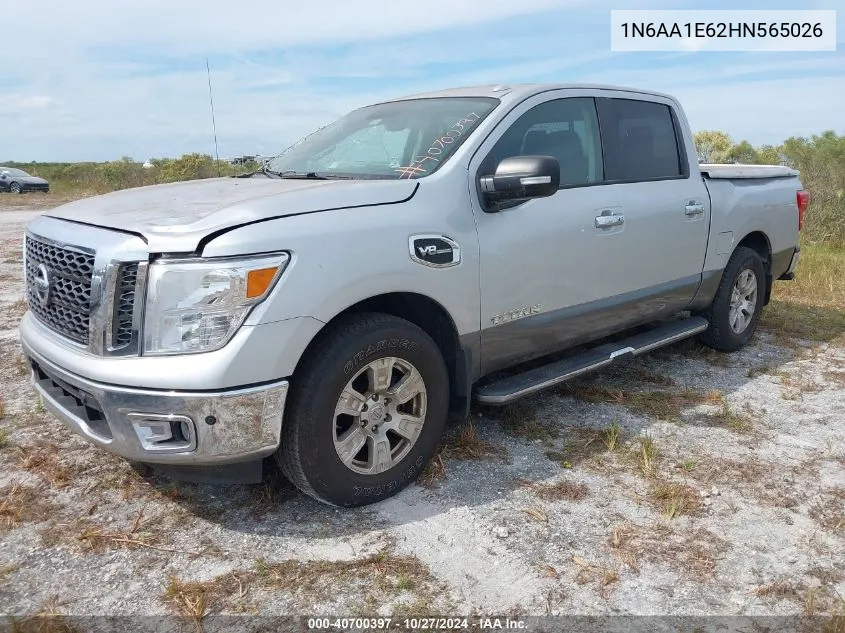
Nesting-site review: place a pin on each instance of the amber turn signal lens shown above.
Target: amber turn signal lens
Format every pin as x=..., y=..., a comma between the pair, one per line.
x=257, y=281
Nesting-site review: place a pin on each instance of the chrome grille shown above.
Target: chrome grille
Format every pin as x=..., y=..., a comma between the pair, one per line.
x=70, y=270
x=124, y=305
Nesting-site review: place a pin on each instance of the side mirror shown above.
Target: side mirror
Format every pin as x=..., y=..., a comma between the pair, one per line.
x=522, y=178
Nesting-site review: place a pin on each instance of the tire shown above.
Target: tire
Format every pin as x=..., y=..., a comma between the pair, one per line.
x=346, y=359
x=731, y=329
x=15, y=187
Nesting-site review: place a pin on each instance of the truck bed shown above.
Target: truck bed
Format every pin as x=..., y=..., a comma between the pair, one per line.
x=721, y=172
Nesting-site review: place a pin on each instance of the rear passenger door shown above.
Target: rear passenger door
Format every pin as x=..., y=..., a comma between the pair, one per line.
x=665, y=211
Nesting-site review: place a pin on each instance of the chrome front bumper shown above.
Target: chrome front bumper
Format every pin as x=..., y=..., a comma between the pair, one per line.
x=164, y=427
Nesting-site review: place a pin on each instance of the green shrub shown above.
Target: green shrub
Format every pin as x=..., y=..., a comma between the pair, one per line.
x=96, y=178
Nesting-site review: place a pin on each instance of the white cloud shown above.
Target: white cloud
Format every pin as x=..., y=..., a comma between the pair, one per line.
x=15, y=102
x=185, y=26
x=101, y=83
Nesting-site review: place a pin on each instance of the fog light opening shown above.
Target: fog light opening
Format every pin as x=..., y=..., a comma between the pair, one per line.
x=164, y=432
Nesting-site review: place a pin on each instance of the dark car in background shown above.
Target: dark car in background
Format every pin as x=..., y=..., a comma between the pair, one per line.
x=18, y=181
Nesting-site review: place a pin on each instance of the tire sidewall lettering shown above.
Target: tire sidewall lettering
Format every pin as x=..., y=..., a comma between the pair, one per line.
x=374, y=348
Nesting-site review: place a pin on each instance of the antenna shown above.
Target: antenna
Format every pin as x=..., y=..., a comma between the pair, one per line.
x=213, y=123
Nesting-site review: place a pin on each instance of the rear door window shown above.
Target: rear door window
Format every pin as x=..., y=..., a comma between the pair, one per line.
x=639, y=140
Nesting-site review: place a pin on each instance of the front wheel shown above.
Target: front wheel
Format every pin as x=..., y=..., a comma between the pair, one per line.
x=736, y=308
x=367, y=410
x=15, y=187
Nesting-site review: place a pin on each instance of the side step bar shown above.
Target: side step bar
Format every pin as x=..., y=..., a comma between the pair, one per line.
x=512, y=388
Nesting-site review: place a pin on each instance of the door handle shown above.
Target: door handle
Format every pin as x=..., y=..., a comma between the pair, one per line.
x=694, y=208
x=606, y=221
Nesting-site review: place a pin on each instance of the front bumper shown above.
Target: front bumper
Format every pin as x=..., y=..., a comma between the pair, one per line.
x=164, y=427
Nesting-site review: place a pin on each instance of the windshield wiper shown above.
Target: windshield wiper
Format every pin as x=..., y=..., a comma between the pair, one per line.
x=291, y=173
x=261, y=170
x=311, y=175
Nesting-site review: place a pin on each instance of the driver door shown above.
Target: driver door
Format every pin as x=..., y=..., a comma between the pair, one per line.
x=552, y=274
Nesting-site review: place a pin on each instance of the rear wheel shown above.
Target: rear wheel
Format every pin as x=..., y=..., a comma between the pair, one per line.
x=736, y=308
x=367, y=410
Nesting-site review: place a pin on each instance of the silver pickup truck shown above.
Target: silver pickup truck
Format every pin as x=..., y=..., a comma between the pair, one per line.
x=336, y=307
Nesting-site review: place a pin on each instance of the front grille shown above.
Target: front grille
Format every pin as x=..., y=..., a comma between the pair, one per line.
x=69, y=270
x=124, y=303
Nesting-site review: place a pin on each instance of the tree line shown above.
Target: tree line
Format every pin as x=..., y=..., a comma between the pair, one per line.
x=820, y=159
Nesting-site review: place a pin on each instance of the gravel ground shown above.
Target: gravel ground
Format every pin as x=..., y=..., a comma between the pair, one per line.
x=685, y=482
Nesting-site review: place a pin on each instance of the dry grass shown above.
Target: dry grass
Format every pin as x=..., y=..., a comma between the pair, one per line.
x=462, y=443
x=691, y=348
x=662, y=404
x=376, y=575
x=731, y=419
x=2, y=408
x=830, y=513
x=44, y=459
x=48, y=619
x=466, y=444
x=192, y=599
x=812, y=306
x=826, y=602
x=780, y=590
x=580, y=446
x=827, y=575
x=560, y=491
x=763, y=370
x=692, y=553
x=794, y=388
x=588, y=572
x=646, y=453
x=644, y=374
x=674, y=499
x=818, y=279
x=4, y=439
x=21, y=503
x=271, y=493
x=86, y=535
x=610, y=436
x=520, y=420
x=751, y=477
x=538, y=514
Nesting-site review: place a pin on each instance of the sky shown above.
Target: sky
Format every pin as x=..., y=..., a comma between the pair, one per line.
x=86, y=80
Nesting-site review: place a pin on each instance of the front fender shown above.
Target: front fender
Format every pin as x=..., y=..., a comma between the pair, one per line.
x=342, y=257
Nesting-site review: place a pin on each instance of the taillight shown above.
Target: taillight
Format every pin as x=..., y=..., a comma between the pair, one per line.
x=803, y=199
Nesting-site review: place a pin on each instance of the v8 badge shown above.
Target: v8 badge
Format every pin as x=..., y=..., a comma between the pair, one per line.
x=435, y=251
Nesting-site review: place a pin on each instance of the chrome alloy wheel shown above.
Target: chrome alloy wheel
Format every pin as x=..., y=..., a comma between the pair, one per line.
x=743, y=301
x=379, y=415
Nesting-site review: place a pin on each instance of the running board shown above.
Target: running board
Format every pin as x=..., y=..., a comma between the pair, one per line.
x=512, y=388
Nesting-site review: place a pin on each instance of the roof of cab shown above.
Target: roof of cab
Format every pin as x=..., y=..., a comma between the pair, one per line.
x=521, y=91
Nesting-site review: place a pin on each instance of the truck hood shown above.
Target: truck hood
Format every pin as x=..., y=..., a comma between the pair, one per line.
x=176, y=217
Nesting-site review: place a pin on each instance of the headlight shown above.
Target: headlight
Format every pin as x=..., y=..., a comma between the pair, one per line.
x=198, y=305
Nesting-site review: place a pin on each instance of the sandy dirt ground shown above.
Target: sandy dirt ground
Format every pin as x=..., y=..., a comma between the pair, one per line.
x=684, y=482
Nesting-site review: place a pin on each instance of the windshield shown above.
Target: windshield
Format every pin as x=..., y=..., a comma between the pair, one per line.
x=11, y=171
x=400, y=139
